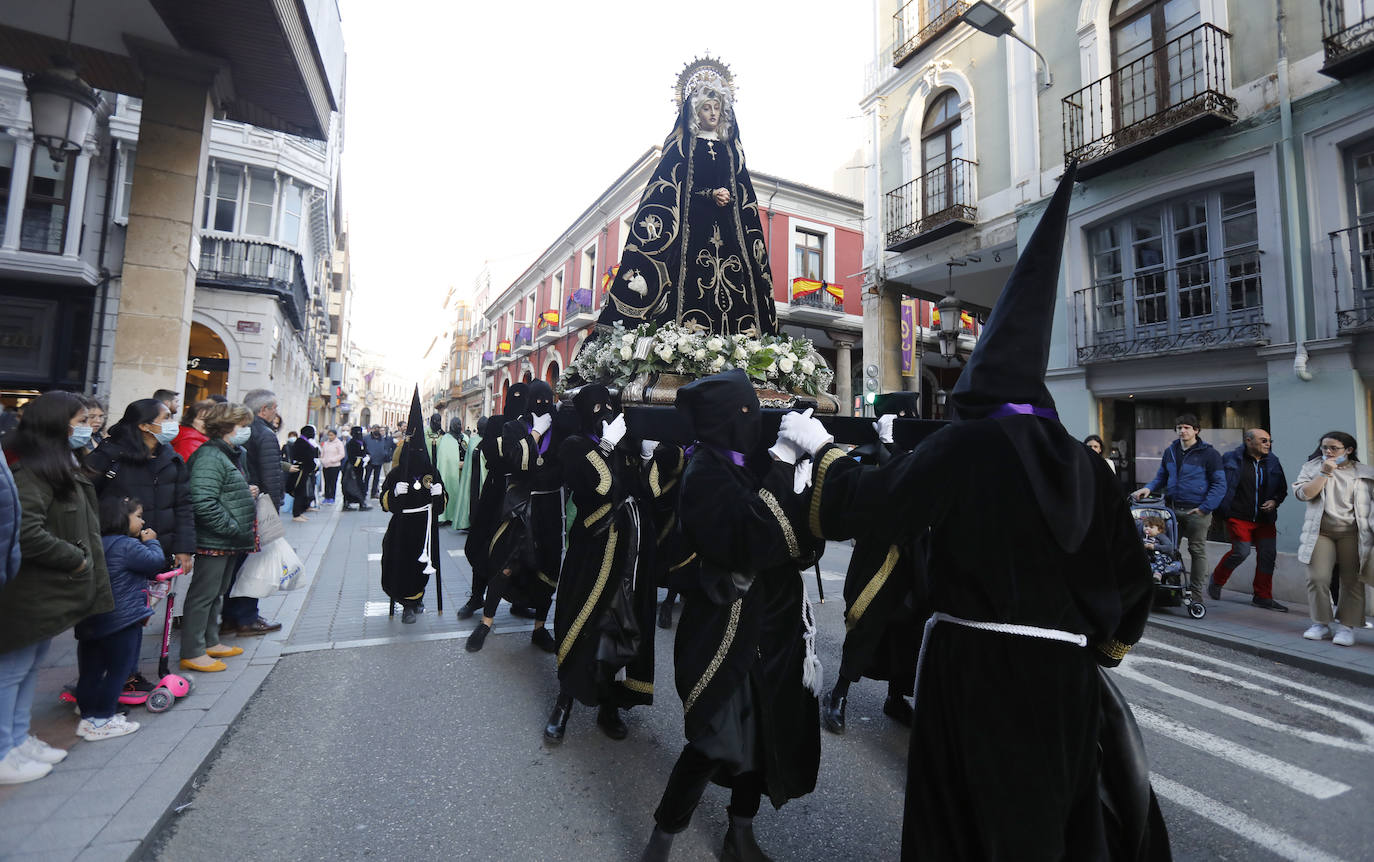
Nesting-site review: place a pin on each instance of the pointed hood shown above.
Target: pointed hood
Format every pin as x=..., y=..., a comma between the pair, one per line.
x=415, y=461
x=1008, y=364
x=724, y=410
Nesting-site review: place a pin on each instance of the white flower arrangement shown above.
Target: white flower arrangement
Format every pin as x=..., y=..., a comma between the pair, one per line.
x=778, y=361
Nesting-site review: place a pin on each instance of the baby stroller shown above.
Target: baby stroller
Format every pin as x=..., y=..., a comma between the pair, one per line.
x=1171, y=582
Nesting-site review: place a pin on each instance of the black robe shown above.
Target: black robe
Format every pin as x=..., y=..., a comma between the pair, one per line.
x=486, y=512
x=528, y=537
x=610, y=548
x=739, y=651
x=302, y=453
x=660, y=480
x=1004, y=757
x=352, y=480
x=411, y=544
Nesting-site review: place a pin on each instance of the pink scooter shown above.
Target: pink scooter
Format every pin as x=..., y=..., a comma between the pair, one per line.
x=170, y=686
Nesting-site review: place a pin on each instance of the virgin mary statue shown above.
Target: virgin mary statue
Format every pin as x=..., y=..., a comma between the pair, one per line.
x=695, y=255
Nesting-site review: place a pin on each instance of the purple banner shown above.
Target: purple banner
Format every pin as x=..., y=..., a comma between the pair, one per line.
x=909, y=336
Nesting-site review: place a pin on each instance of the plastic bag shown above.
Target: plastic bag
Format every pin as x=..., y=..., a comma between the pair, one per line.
x=275, y=567
x=269, y=522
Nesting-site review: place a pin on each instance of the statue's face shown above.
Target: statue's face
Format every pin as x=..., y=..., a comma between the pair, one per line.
x=708, y=115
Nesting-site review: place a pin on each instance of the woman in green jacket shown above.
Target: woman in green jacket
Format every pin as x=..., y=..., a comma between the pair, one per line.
x=226, y=529
x=61, y=578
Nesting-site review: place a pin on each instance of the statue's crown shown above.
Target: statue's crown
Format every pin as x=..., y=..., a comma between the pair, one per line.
x=704, y=73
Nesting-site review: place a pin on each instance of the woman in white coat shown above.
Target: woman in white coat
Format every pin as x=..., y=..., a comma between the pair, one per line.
x=1336, y=531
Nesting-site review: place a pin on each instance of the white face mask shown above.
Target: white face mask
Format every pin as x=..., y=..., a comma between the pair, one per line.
x=168, y=432
x=241, y=435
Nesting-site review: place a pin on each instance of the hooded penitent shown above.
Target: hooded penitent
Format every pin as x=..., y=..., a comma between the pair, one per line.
x=724, y=411
x=517, y=401
x=410, y=546
x=1005, y=379
x=541, y=398
x=592, y=404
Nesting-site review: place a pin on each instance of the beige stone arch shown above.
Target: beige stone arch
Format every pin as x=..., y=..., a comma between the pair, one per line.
x=935, y=78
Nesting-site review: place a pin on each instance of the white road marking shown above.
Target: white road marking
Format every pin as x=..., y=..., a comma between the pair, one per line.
x=372, y=558
x=1279, y=843
x=1301, y=780
x=399, y=639
x=455, y=553
x=1363, y=728
x=1337, y=695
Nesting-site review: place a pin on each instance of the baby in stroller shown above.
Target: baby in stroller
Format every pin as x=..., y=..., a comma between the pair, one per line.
x=1164, y=557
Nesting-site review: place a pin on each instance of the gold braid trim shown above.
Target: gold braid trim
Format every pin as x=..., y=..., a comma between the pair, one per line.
x=576, y=628
x=597, y=515
x=1114, y=649
x=603, y=485
x=638, y=685
x=821, y=467
x=716, y=659
x=524, y=456
x=499, y=530
x=793, y=549
x=870, y=590
x=546, y=579
x=684, y=562
x=654, y=488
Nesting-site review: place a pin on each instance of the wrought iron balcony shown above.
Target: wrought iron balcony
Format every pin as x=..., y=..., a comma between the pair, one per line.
x=1347, y=37
x=920, y=21
x=488, y=360
x=1172, y=94
x=819, y=299
x=471, y=384
x=524, y=341
x=1200, y=305
x=1352, y=276
x=938, y=203
x=578, y=304
x=257, y=267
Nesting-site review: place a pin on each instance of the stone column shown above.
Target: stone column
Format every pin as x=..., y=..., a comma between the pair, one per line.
x=159, y=274
x=76, y=211
x=19, y=189
x=844, y=389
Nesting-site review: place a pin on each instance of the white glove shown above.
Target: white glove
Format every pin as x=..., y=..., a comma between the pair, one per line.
x=542, y=424
x=436, y=490
x=884, y=427
x=646, y=449
x=801, y=477
x=785, y=451
x=805, y=433
x=613, y=431
x=401, y=488
x=367, y=459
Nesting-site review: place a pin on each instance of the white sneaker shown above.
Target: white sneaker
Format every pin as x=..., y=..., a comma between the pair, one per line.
x=1317, y=631
x=1345, y=636
x=116, y=726
x=15, y=768
x=36, y=749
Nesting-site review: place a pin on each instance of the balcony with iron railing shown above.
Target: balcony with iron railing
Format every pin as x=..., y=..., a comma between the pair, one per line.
x=488, y=360
x=523, y=342
x=1173, y=94
x=918, y=22
x=936, y=204
x=548, y=327
x=1204, y=304
x=1347, y=37
x=1352, y=277
x=257, y=267
x=471, y=384
x=578, y=310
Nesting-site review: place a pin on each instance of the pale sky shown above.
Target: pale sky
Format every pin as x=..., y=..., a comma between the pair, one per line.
x=477, y=132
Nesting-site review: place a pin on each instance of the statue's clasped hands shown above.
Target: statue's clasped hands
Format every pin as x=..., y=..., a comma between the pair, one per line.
x=722, y=196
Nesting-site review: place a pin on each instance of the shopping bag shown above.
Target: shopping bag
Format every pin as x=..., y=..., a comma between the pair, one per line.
x=291, y=567
x=266, y=571
x=269, y=522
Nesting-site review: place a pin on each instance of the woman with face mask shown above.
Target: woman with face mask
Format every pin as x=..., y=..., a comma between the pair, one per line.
x=1336, y=529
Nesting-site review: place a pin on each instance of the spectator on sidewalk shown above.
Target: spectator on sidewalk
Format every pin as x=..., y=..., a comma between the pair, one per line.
x=1194, y=483
x=1336, y=531
x=332, y=453
x=169, y=397
x=1094, y=442
x=380, y=448
x=1255, y=487
x=95, y=415
x=225, y=530
x=191, y=434
x=61, y=578
x=266, y=471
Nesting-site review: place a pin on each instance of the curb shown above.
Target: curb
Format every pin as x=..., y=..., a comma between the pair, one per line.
x=1188, y=628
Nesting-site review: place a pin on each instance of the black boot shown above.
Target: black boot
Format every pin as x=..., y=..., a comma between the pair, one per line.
x=832, y=713
x=609, y=720
x=477, y=638
x=665, y=615
x=896, y=708
x=558, y=720
x=473, y=605
x=659, y=847
x=740, y=845
x=407, y=614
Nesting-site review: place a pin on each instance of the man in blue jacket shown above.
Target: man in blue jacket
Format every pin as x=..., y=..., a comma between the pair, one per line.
x=1194, y=484
x=1255, y=486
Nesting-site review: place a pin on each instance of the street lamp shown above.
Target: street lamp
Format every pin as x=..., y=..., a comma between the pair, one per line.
x=61, y=103
x=987, y=18
x=950, y=321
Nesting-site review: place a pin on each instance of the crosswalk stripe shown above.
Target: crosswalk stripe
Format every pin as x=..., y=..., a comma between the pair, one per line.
x=372, y=558
x=1301, y=780
x=1279, y=843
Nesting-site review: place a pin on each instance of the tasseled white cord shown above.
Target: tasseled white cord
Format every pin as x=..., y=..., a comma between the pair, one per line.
x=812, y=672
x=424, y=553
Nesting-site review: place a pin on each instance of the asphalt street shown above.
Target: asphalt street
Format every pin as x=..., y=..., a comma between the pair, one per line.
x=402, y=745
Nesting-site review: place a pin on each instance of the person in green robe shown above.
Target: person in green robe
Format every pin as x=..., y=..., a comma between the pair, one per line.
x=450, y=452
x=473, y=475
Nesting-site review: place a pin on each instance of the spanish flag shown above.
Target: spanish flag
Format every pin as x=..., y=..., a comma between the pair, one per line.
x=548, y=318
x=503, y=346
x=806, y=287
x=609, y=277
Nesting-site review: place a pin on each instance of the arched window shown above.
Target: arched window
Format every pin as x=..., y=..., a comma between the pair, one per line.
x=551, y=374
x=942, y=141
x=1155, y=68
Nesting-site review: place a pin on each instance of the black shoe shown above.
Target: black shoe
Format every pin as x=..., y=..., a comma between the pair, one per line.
x=363, y=508
x=407, y=614
x=558, y=721
x=665, y=616
x=473, y=606
x=609, y=720
x=1214, y=590
x=832, y=717
x=659, y=848
x=524, y=612
x=1268, y=604
x=478, y=637
x=137, y=682
x=897, y=709
x=740, y=845
x=541, y=638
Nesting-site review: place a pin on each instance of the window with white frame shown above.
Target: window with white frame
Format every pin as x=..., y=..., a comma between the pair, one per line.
x=6, y=177
x=809, y=248
x=556, y=295
x=1361, y=168
x=262, y=192
x=44, y=227
x=126, y=180
x=292, y=202
x=222, y=198
x=589, y=273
